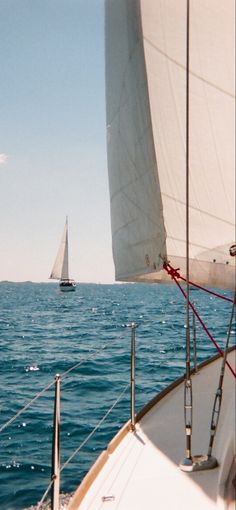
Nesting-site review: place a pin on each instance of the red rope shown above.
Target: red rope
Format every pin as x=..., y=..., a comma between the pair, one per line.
x=174, y=275
x=175, y=272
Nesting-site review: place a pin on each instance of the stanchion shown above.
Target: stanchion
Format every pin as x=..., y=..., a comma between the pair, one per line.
x=55, y=495
x=132, y=377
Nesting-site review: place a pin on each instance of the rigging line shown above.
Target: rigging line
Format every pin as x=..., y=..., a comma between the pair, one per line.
x=188, y=408
x=95, y=428
x=26, y=406
x=219, y=393
x=44, y=390
x=64, y=374
x=44, y=496
x=176, y=273
x=187, y=186
x=204, y=327
x=225, y=298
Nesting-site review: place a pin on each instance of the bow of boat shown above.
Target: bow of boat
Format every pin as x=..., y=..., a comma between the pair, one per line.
x=140, y=469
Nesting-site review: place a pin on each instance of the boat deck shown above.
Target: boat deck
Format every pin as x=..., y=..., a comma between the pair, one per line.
x=142, y=473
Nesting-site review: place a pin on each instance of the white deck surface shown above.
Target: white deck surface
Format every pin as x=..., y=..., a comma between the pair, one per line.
x=143, y=474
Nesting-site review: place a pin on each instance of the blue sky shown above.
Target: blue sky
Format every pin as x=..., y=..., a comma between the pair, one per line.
x=53, y=139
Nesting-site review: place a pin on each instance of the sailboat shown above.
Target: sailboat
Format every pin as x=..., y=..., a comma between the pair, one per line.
x=170, y=71
x=60, y=270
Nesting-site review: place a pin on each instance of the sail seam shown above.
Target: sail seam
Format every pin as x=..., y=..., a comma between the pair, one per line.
x=199, y=210
x=195, y=244
x=177, y=201
x=192, y=73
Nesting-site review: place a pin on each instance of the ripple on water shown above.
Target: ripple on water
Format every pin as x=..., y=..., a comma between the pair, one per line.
x=43, y=332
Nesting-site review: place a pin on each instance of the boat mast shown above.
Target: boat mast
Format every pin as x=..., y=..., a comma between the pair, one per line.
x=66, y=255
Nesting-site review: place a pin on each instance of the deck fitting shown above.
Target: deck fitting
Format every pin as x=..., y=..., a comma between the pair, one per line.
x=198, y=463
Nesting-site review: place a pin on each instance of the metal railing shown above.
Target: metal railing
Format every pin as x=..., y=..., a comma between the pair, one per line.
x=55, y=499
x=56, y=468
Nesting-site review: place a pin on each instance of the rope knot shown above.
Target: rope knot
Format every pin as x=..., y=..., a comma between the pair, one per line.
x=174, y=273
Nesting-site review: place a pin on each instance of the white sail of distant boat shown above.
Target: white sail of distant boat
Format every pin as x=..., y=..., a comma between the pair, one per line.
x=60, y=270
x=170, y=93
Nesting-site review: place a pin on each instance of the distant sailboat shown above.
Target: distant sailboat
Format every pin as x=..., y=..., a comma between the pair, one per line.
x=60, y=270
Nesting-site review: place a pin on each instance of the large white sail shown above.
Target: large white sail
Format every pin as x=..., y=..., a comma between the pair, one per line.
x=146, y=124
x=60, y=270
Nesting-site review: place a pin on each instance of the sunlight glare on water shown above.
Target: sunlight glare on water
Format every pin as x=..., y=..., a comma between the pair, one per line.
x=44, y=332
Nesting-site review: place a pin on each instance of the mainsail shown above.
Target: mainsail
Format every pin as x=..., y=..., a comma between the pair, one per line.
x=146, y=129
x=60, y=270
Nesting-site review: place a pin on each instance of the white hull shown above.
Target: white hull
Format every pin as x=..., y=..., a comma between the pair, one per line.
x=67, y=286
x=140, y=470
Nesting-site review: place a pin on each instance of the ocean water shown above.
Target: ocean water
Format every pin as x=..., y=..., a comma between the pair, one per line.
x=44, y=332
